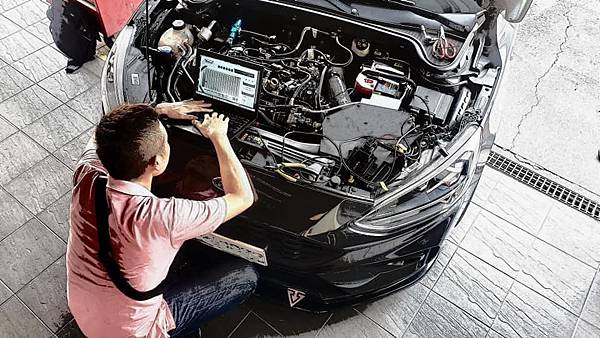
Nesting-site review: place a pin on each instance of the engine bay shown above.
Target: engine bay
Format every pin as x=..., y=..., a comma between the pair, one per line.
x=339, y=107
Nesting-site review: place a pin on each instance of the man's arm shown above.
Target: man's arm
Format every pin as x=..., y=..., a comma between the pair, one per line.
x=238, y=191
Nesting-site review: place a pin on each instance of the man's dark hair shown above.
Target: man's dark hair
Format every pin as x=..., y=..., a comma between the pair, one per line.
x=128, y=139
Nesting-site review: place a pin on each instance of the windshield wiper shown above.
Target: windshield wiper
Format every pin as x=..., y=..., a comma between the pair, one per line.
x=411, y=6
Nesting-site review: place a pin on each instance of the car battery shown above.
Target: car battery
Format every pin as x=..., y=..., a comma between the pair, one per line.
x=381, y=85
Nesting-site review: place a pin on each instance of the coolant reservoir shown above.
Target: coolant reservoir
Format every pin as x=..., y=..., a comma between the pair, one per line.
x=176, y=36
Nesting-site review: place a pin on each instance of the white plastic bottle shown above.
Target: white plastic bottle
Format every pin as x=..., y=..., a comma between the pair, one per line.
x=176, y=36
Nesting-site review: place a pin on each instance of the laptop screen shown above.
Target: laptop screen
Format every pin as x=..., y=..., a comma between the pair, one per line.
x=229, y=81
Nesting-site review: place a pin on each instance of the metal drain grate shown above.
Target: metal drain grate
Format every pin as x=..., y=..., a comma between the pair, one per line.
x=545, y=185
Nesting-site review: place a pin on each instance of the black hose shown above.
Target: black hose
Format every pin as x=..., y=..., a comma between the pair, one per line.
x=320, y=88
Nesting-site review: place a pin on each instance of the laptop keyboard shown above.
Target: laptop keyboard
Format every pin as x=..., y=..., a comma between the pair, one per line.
x=236, y=124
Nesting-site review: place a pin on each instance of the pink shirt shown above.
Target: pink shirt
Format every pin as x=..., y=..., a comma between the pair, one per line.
x=146, y=232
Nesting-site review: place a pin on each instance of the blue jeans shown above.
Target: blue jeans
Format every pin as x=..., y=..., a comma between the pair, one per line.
x=203, y=288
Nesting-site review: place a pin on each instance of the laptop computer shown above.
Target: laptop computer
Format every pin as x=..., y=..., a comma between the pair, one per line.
x=231, y=85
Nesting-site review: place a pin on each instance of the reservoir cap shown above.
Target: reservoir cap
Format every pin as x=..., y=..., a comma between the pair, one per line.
x=178, y=25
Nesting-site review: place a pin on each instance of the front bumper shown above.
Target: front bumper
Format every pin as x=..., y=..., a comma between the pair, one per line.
x=341, y=282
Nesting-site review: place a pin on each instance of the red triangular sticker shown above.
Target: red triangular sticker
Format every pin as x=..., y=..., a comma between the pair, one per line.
x=295, y=296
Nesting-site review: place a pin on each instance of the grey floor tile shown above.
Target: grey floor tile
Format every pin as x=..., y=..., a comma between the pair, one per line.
x=18, y=45
x=5, y=292
x=573, y=232
x=223, y=325
x=70, y=153
x=41, y=30
x=527, y=314
x=350, y=323
x=253, y=326
x=458, y=233
x=586, y=330
x=17, y=154
x=6, y=129
x=8, y=4
x=474, y=286
x=41, y=185
x=67, y=86
x=557, y=276
x=493, y=334
x=88, y=104
x=288, y=321
x=498, y=243
x=27, y=106
x=11, y=82
x=7, y=27
x=17, y=321
x=95, y=66
x=446, y=252
x=518, y=204
x=46, y=296
x=41, y=63
x=395, y=311
x=440, y=318
x=56, y=216
x=72, y=331
x=591, y=310
x=28, y=13
x=57, y=128
x=487, y=183
x=12, y=214
x=27, y=252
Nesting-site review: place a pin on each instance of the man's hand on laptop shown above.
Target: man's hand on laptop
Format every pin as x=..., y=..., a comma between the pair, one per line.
x=213, y=126
x=182, y=110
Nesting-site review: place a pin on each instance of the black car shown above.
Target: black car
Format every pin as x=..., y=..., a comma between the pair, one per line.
x=364, y=126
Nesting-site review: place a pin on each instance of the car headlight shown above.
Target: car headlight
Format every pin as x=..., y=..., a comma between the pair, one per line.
x=431, y=193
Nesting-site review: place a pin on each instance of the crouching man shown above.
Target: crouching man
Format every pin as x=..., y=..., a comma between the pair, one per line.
x=123, y=239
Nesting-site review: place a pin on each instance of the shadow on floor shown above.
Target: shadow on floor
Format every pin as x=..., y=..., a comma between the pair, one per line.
x=258, y=317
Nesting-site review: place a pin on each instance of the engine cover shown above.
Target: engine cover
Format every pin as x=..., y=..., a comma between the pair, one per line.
x=363, y=120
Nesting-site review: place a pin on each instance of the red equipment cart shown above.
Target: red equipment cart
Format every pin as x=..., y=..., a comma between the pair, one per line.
x=112, y=15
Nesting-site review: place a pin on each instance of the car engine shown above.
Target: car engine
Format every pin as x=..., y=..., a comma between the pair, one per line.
x=335, y=108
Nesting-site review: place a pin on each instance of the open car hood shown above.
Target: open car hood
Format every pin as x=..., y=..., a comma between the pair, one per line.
x=515, y=10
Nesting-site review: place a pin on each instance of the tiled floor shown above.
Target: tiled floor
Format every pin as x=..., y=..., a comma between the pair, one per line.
x=518, y=265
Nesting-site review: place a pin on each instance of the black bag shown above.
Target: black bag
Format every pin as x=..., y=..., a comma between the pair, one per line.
x=74, y=30
x=105, y=252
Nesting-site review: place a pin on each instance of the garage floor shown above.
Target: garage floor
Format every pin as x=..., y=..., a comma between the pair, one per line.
x=519, y=265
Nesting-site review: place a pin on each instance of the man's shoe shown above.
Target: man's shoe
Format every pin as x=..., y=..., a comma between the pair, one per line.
x=73, y=66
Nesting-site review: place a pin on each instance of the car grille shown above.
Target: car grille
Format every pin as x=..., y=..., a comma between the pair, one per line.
x=285, y=246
